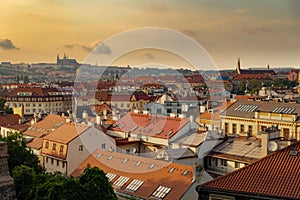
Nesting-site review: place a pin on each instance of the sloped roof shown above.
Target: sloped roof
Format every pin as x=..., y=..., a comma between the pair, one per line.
x=264, y=106
x=36, y=91
x=67, y=132
x=9, y=119
x=150, y=125
x=276, y=175
x=152, y=178
x=45, y=126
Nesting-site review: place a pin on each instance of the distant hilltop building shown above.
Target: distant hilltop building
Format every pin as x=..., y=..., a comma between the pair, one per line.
x=65, y=60
x=251, y=71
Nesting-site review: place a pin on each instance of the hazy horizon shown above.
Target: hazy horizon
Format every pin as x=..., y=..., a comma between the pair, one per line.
x=261, y=33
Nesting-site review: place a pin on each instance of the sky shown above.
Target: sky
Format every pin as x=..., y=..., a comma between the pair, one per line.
x=260, y=32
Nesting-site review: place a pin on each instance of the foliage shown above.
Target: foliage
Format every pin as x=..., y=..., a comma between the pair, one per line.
x=92, y=184
x=19, y=154
x=5, y=108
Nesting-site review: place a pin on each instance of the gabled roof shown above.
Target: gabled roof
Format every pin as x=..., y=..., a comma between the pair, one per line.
x=274, y=176
x=66, y=133
x=45, y=126
x=36, y=91
x=150, y=173
x=151, y=125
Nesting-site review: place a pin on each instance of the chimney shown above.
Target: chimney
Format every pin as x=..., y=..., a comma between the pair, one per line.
x=98, y=119
x=197, y=173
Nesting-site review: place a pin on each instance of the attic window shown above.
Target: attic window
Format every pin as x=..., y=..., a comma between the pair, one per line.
x=185, y=172
x=161, y=192
x=134, y=185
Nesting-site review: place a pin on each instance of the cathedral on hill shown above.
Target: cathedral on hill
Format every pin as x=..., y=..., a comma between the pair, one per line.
x=66, y=61
x=253, y=71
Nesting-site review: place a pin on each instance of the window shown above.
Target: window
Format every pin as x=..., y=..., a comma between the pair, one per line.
x=63, y=164
x=57, y=163
x=33, y=104
x=286, y=133
x=54, y=147
x=226, y=127
x=209, y=161
x=237, y=165
x=51, y=161
x=134, y=185
x=224, y=162
x=250, y=129
x=103, y=146
x=161, y=192
x=242, y=128
x=80, y=148
x=47, y=145
x=233, y=128
x=61, y=149
x=47, y=159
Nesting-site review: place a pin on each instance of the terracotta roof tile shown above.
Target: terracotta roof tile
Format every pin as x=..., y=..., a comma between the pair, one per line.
x=150, y=125
x=276, y=175
x=152, y=177
x=67, y=132
x=9, y=119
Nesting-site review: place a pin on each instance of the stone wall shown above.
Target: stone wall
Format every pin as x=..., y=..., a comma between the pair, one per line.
x=7, y=189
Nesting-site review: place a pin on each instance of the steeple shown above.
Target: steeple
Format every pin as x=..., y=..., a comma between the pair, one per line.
x=238, y=66
x=65, y=57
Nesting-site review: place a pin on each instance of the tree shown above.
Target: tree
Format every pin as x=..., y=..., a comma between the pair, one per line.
x=96, y=184
x=24, y=180
x=19, y=154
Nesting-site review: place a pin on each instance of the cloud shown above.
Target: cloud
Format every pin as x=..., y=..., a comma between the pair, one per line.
x=155, y=8
x=95, y=47
x=149, y=56
x=7, y=44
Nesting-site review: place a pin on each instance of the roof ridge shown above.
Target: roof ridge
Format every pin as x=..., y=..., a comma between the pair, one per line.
x=252, y=164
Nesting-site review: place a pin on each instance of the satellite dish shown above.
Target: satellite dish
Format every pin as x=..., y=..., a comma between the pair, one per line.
x=273, y=146
x=132, y=150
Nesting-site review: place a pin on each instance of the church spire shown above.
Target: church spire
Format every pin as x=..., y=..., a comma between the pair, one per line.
x=238, y=67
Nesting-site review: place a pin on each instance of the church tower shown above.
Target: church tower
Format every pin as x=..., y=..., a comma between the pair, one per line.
x=238, y=67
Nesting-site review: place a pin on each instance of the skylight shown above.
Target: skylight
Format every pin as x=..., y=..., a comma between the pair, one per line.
x=99, y=155
x=122, y=126
x=185, y=172
x=137, y=163
x=169, y=133
x=134, y=128
x=134, y=185
x=152, y=166
x=125, y=160
x=110, y=157
x=246, y=108
x=161, y=192
x=159, y=132
x=283, y=110
x=121, y=181
x=171, y=170
x=110, y=176
x=149, y=130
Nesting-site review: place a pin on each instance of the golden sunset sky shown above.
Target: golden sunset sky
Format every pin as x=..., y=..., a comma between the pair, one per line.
x=261, y=32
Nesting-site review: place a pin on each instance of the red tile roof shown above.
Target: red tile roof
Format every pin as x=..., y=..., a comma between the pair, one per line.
x=277, y=175
x=241, y=77
x=152, y=178
x=36, y=91
x=66, y=133
x=150, y=125
x=9, y=119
